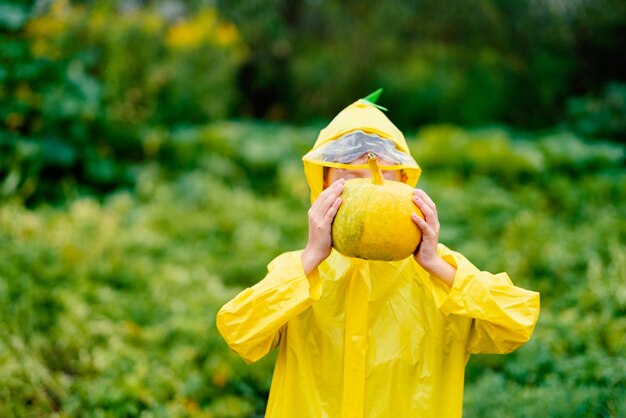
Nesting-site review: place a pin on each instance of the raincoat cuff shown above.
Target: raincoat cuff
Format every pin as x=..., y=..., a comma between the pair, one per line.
x=315, y=285
x=447, y=298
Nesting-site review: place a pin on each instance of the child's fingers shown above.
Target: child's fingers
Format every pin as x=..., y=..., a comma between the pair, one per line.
x=332, y=211
x=422, y=194
x=328, y=196
x=421, y=224
x=428, y=212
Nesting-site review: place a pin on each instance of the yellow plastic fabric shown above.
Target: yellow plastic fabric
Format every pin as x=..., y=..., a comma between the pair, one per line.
x=364, y=338
x=360, y=338
x=358, y=116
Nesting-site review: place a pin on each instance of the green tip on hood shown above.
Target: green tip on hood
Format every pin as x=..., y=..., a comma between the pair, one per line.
x=372, y=98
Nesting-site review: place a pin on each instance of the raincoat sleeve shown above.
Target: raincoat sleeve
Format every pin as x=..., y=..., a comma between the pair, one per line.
x=503, y=315
x=252, y=322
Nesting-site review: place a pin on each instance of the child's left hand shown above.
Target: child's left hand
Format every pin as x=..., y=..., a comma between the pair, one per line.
x=426, y=253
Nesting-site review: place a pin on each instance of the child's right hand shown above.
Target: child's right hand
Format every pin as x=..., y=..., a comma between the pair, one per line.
x=321, y=217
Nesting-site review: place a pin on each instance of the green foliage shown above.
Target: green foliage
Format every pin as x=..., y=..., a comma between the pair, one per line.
x=80, y=86
x=88, y=89
x=461, y=61
x=439, y=83
x=494, y=396
x=604, y=116
x=108, y=306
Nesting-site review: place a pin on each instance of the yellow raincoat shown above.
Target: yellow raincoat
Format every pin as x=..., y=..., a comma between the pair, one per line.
x=360, y=338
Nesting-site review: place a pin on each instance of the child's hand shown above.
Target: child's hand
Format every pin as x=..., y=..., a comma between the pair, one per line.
x=426, y=254
x=321, y=217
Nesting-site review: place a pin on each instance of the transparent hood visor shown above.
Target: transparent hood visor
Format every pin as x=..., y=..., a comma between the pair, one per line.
x=354, y=145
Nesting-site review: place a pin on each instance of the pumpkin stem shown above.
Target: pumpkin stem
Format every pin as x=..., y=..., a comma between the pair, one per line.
x=377, y=173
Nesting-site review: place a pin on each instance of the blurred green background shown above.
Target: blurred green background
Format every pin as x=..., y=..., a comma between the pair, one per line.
x=150, y=169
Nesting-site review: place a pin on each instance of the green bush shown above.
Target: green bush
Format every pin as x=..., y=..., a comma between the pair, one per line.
x=83, y=87
x=109, y=308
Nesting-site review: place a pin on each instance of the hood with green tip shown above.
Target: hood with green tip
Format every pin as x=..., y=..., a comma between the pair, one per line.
x=366, y=116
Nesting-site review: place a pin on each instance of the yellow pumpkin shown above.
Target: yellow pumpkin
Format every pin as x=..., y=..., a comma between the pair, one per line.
x=374, y=220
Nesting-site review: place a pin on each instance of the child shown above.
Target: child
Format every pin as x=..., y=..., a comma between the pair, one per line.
x=362, y=338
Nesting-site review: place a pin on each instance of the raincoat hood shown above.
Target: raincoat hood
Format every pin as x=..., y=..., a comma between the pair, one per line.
x=364, y=116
